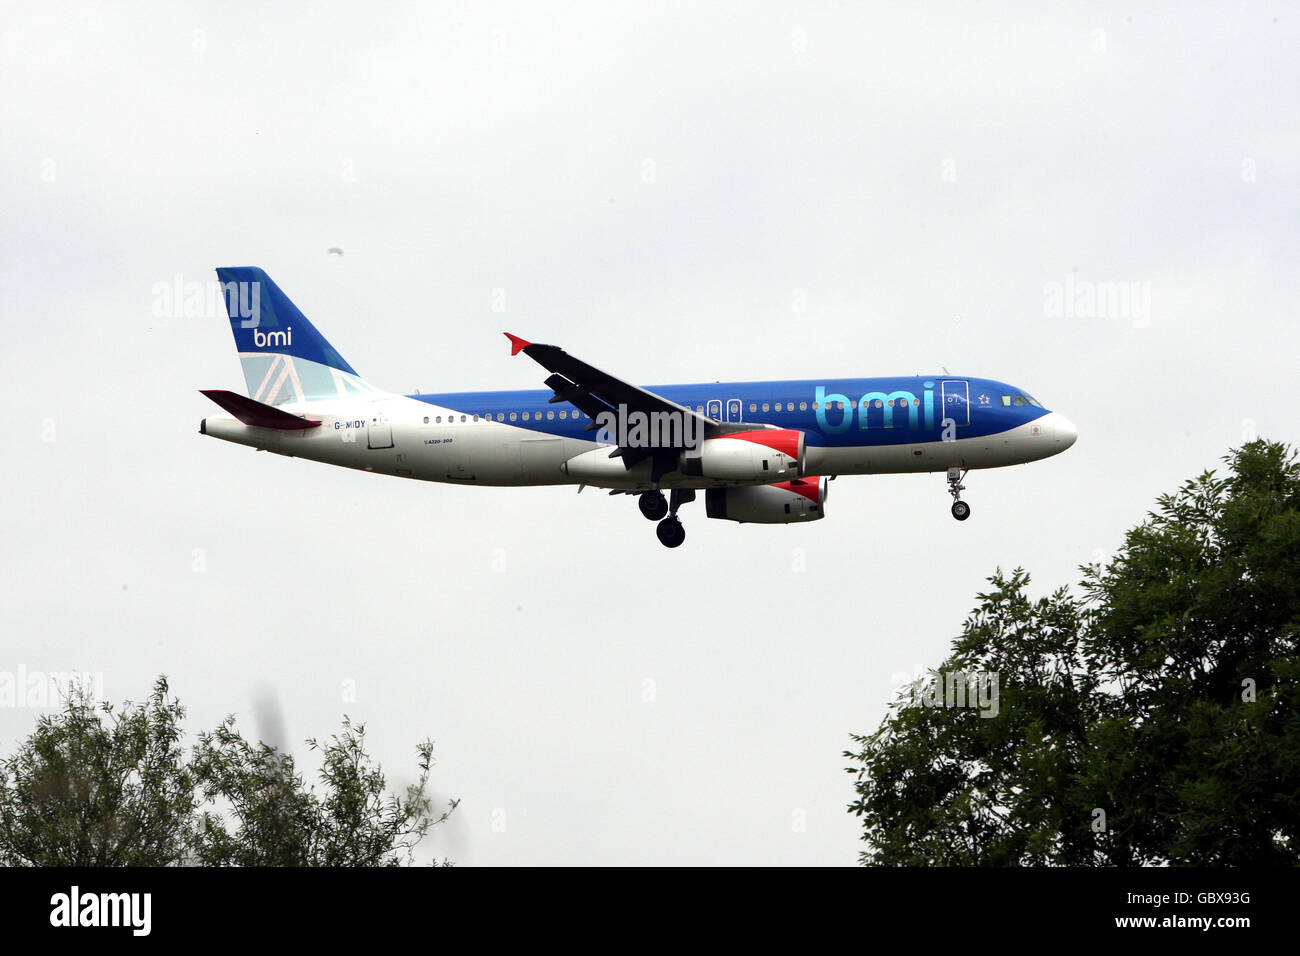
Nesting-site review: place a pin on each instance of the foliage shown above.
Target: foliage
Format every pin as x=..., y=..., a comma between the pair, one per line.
x=97, y=786
x=280, y=822
x=1152, y=719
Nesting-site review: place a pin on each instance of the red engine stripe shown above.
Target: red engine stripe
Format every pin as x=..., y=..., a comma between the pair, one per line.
x=810, y=487
x=785, y=440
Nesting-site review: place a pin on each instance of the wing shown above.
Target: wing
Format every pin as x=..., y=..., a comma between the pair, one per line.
x=594, y=393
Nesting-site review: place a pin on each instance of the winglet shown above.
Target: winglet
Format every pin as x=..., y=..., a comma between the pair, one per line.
x=517, y=344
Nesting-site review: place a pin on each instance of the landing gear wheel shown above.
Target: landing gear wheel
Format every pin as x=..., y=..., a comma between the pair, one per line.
x=671, y=533
x=960, y=510
x=653, y=505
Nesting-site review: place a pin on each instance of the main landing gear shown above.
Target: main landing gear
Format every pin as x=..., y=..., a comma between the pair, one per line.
x=655, y=507
x=960, y=510
x=670, y=531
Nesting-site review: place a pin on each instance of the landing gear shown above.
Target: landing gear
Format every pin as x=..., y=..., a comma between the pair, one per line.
x=960, y=510
x=654, y=506
x=671, y=533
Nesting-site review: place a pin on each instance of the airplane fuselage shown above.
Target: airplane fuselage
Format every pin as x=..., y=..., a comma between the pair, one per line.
x=512, y=438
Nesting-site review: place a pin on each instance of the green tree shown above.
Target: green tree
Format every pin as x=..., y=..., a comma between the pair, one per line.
x=1154, y=718
x=94, y=786
x=281, y=822
x=100, y=786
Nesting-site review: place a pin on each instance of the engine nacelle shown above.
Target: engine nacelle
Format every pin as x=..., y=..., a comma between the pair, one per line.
x=758, y=455
x=802, y=499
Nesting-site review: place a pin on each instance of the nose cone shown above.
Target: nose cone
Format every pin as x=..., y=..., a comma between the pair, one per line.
x=1066, y=433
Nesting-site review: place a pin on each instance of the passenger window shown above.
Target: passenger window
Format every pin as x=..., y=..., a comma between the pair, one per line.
x=563, y=413
x=803, y=406
x=753, y=407
x=765, y=406
x=525, y=416
x=513, y=416
x=816, y=406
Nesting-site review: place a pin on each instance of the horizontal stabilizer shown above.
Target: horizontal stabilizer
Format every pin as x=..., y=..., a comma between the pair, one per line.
x=256, y=414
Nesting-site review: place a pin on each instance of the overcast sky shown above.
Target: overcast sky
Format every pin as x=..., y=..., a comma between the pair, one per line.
x=675, y=193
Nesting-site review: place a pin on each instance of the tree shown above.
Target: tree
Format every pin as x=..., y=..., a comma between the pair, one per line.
x=282, y=823
x=97, y=786
x=1155, y=718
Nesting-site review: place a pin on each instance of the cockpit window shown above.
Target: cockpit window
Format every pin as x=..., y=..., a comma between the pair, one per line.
x=1006, y=400
x=1032, y=401
x=1020, y=400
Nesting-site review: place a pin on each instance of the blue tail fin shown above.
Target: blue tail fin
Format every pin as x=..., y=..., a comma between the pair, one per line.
x=284, y=358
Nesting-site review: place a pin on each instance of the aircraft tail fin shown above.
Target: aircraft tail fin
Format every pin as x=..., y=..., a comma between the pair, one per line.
x=283, y=356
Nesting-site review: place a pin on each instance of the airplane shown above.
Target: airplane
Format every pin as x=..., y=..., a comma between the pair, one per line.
x=762, y=452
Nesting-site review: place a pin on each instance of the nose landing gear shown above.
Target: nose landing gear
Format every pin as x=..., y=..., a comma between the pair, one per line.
x=960, y=510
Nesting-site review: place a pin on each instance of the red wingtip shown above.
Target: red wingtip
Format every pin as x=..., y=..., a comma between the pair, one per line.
x=517, y=344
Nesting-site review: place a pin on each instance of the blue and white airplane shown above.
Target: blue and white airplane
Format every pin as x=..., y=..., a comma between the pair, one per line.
x=760, y=451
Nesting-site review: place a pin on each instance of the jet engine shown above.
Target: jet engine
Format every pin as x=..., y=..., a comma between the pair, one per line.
x=748, y=456
x=784, y=502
